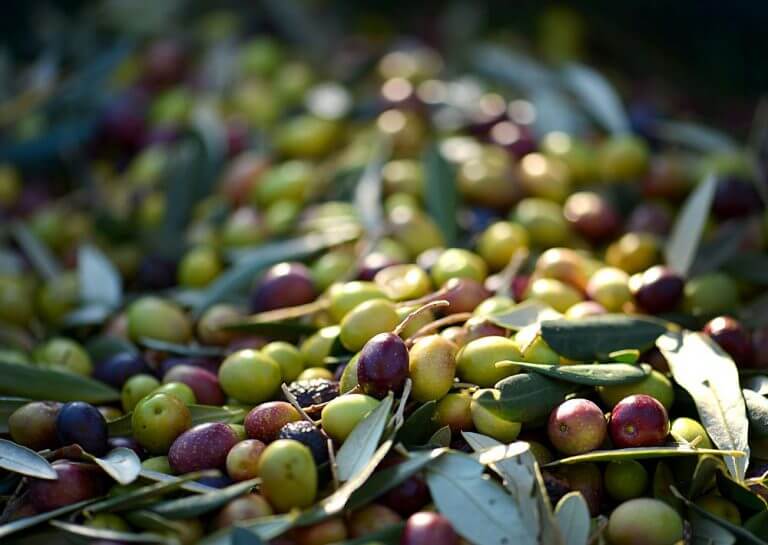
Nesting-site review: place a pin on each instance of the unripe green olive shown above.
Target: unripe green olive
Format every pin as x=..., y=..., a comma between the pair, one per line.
x=315, y=372
x=545, y=177
x=179, y=390
x=290, y=180
x=65, y=355
x=489, y=424
x=432, y=367
x=423, y=318
x=199, y=267
x=454, y=411
x=415, y=230
x=330, y=266
x=559, y=295
x=609, y=286
x=543, y=221
x=288, y=357
x=58, y=297
x=403, y=282
x=209, y=327
x=403, y=175
x=137, y=388
x=644, y=520
x=157, y=318
x=243, y=227
x=458, y=263
x=345, y=297
x=533, y=346
x=476, y=362
x=655, y=385
x=367, y=319
x=250, y=376
x=579, y=158
x=10, y=185
x=487, y=178
x=318, y=346
x=342, y=414
x=710, y=294
x=625, y=479
x=500, y=241
x=348, y=379
x=622, y=158
x=281, y=216
x=15, y=301
x=392, y=248
x=494, y=305
x=307, y=136
x=721, y=507
x=633, y=252
x=691, y=430
x=288, y=475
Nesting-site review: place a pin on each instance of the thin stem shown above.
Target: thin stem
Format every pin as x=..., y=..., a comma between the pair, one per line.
x=412, y=315
x=437, y=324
x=295, y=402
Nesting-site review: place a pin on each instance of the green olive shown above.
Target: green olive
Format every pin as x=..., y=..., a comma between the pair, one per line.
x=500, y=241
x=366, y=320
x=476, y=362
x=288, y=357
x=156, y=318
x=345, y=297
x=458, y=263
x=432, y=367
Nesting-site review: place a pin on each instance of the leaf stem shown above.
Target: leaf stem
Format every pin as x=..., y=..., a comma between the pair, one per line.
x=412, y=315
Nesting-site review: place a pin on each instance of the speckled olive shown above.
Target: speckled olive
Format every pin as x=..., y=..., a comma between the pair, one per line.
x=576, y=426
x=243, y=459
x=366, y=320
x=264, y=421
x=250, y=376
x=158, y=420
x=341, y=415
x=203, y=447
x=432, y=367
x=288, y=475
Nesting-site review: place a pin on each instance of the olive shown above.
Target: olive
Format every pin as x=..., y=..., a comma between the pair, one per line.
x=543, y=220
x=432, y=367
x=458, y=263
x=156, y=318
x=476, y=361
x=284, y=285
x=592, y=216
x=383, y=365
x=732, y=337
x=658, y=289
x=288, y=475
x=366, y=320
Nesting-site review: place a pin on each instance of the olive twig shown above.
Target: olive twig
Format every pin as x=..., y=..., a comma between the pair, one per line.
x=437, y=324
x=295, y=402
x=288, y=313
x=412, y=315
x=13, y=502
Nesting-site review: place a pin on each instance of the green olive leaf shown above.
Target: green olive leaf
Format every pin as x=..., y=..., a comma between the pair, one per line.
x=597, y=374
x=49, y=384
x=440, y=193
x=358, y=448
x=597, y=96
x=705, y=531
x=573, y=517
x=29, y=522
x=386, y=536
x=693, y=136
x=112, y=535
x=526, y=397
x=524, y=314
x=749, y=267
x=638, y=453
x=522, y=478
x=684, y=239
x=122, y=464
x=757, y=412
x=441, y=438
x=99, y=280
x=189, y=486
x=20, y=459
x=39, y=254
x=478, y=507
x=418, y=426
x=703, y=477
x=739, y=494
x=596, y=337
x=200, y=504
x=182, y=349
x=709, y=375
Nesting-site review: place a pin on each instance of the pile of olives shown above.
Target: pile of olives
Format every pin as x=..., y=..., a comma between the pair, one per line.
x=264, y=385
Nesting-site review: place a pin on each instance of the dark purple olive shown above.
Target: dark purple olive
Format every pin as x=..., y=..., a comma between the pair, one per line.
x=408, y=497
x=592, y=216
x=156, y=273
x=735, y=198
x=82, y=424
x=76, y=482
x=651, y=218
x=658, y=289
x=732, y=337
x=383, y=365
x=203, y=447
x=284, y=285
x=117, y=369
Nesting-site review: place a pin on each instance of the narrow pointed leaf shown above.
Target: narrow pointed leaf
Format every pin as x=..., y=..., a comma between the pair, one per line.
x=100, y=282
x=441, y=438
x=526, y=397
x=639, y=453
x=38, y=253
x=709, y=375
x=595, y=337
x=49, y=384
x=479, y=508
x=440, y=193
x=524, y=314
x=189, y=486
x=200, y=504
x=19, y=459
x=241, y=536
x=686, y=234
x=103, y=533
x=598, y=374
x=693, y=136
x=706, y=532
x=182, y=349
x=597, y=96
x=28, y=522
x=358, y=448
x=418, y=426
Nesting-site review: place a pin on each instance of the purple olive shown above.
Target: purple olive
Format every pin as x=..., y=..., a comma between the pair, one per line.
x=284, y=285
x=383, y=365
x=204, y=383
x=82, y=424
x=76, y=482
x=203, y=447
x=117, y=369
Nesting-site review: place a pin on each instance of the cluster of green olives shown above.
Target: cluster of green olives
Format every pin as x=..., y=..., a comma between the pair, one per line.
x=572, y=224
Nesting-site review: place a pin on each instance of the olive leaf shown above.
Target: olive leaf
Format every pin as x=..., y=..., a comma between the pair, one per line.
x=50, y=384
x=200, y=504
x=525, y=397
x=703, y=476
x=273, y=330
x=479, y=508
x=20, y=459
x=722, y=247
x=102, y=347
x=241, y=536
x=99, y=280
x=709, y=375
x=113, y=535
x=440, y=193
x=390, y=535
x=122, y=464
x=521, y=477
x=358, y=448
x=572, y=515
x=8, y=406
x=38, y=253
x=265, y=528
x=750, y=267
x=368, y=192
x=693, y=136
x=638, y=453
x=738, y=493
x=744, y=536
x=757, y=412
x=598, y=374
x=524, y=314
x=595, y=337
x=182, y=349
x=705, y=531
x=757, y=383
x=597, y=96
x=189, y=486
x=441, y=438
x=684, y=239
x=29, y=522
x=418, y=426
